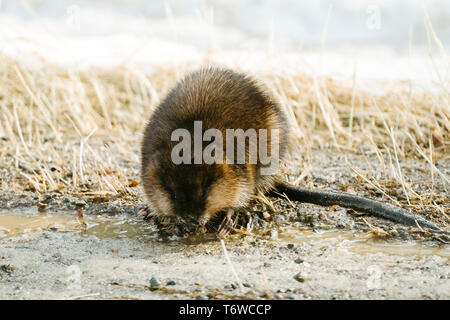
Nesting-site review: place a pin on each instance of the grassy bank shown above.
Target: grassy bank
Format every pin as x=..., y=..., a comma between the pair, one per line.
x=78, y=131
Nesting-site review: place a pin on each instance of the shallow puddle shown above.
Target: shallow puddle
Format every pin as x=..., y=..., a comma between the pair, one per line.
x=107, y=227
x=103, y=227
x=361, y=243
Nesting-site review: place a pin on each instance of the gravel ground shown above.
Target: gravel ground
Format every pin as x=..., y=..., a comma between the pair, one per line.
x=300, y=252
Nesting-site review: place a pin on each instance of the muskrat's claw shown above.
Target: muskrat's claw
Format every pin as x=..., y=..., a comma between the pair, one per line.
x=227, y=225
x=146, y=213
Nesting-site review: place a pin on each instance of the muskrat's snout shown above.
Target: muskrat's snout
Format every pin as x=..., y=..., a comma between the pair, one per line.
x=188, y=207
x=190, y=221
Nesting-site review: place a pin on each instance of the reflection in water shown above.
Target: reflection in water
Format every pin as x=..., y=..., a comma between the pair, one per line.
x=103, y=227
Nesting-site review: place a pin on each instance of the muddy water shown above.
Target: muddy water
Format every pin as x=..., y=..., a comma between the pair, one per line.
x=364, y=244
x=117, y=256
x=104, y=227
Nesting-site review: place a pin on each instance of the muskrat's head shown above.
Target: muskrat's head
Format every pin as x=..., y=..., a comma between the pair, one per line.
x=195, y=193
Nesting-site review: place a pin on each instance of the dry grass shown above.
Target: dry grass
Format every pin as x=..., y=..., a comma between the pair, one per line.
x=79, y=131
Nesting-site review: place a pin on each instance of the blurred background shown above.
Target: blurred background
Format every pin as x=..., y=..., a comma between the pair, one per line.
x=371, y=38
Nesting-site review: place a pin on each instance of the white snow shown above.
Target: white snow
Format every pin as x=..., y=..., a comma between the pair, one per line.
x=377, y=39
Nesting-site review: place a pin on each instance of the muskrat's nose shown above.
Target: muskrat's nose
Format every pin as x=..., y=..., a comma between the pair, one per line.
x=191, y=222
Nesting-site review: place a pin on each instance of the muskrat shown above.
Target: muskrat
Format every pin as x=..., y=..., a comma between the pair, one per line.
x=223, y=104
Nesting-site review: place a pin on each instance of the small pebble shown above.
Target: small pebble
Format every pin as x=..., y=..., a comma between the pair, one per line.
x=229, y=287
x=79, y=203
x=298, y=260
x=7, y=268
x=154, y=283
x=170, y=283
x=299, y=277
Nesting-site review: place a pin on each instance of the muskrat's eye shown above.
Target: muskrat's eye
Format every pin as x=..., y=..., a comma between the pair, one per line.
x=172, y=195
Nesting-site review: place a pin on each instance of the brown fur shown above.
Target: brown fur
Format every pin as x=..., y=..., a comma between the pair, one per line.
x=221, y=99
